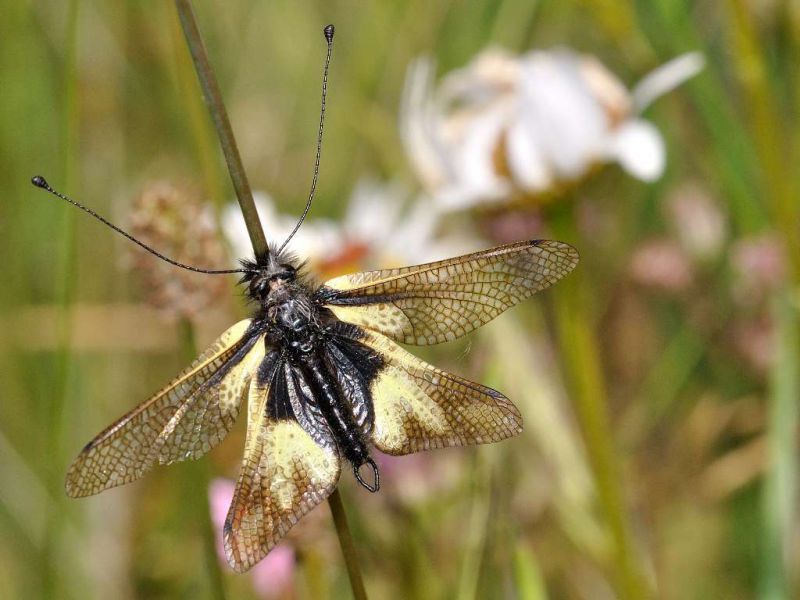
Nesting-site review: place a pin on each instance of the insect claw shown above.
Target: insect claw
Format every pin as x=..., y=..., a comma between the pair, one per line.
x=376, y=476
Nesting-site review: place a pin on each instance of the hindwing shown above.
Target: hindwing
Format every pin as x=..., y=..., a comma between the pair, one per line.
x=419, y=407
x=291, y=464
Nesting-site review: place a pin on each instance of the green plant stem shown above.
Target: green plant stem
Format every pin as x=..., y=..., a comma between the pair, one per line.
x=780, y=493
x=478, y=524
x=198, y=487
x=64, y=297
x=347, y=545
x=528, y=575
x=619, y=21
x=213, y=98
x=219, y=116
x=778, y=179
x=579, y=350
x=769, y=133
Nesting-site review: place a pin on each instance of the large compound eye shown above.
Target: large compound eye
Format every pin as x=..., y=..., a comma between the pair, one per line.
x=287, y=274
x=259, y=287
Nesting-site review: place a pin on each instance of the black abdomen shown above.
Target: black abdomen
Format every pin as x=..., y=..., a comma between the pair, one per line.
x=336, y=410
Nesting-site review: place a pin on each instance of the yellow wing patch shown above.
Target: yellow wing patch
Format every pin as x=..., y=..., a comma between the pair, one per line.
x=204, y=420
x=419, y=407
x=441, y=301
x=183, y=421
x=285, y=474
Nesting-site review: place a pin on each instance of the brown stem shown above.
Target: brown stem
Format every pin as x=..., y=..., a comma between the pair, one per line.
x=219, y=115
x=346, y=543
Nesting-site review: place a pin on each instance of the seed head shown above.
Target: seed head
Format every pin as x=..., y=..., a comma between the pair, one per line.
x=173, y=219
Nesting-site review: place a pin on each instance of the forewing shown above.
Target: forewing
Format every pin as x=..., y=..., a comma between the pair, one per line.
x=285, y=473
x=419, y=407
x=183, y=421
x=441, y=301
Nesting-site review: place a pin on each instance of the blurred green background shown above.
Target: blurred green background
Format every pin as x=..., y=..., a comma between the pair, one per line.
x=660, y=394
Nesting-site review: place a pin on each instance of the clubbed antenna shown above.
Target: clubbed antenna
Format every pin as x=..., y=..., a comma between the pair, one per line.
x=41, y=182
x=328, y=31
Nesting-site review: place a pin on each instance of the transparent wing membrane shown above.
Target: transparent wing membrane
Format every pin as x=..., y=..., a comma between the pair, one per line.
x=419, y=407
x=284, y=474
x=183, y=421
x=441, y=301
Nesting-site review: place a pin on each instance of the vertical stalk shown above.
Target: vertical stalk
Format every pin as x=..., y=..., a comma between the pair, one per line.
x=219, y=116
x=198, y=474
x=478, y=522
x=64, y=295
x=202, y=134
x=582, y=364
x=216, y=108
x=769, y=133
x=778, y=178
x=347, y=545
x=780, y=492
x=619, y=21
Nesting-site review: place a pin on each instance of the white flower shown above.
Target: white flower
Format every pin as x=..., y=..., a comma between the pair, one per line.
x=314, y=238
x=380, y=229
x=397, y=231
x=507, y=125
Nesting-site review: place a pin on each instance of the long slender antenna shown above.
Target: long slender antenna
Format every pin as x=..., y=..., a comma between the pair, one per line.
x=328, y=31
x=41, y=182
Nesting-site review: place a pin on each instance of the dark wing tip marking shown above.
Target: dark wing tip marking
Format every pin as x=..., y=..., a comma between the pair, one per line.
x=495, y=394
x=513, y=413
x=569, y=250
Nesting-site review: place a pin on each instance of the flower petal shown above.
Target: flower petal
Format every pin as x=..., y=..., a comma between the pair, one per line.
x=420, y=126
x=525, y=159
x=559, y=111
x=476, y=152
x=638, y=147
x=666, y=78
x=273, y=576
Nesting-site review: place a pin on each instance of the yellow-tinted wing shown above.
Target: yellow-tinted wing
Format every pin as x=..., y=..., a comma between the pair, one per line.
x=285, y=472
x=419, y=407
x=183, y=421
x=441, y=301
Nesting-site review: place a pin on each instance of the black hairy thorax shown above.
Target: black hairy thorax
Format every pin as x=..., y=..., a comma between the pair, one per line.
x=293, y=320
x=317, y=372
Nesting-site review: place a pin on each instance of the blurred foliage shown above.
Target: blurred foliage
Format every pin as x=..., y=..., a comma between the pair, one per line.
x=686, y=454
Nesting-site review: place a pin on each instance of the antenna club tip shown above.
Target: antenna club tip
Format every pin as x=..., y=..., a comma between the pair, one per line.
x=40, y=182
x=329, y=31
